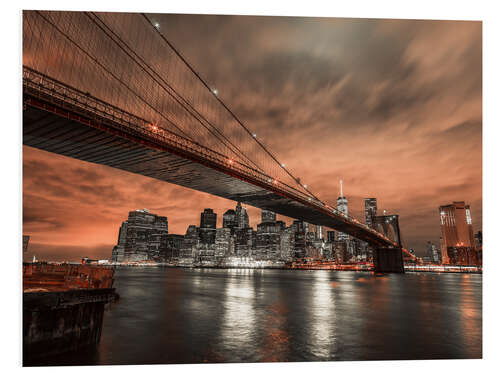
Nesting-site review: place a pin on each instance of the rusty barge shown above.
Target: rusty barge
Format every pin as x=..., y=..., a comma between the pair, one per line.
x=63, y=307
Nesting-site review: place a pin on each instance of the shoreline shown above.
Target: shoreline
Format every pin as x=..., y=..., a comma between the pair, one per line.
x=304, y=268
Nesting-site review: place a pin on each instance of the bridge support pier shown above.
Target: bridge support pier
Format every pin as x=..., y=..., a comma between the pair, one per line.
x=388, y=260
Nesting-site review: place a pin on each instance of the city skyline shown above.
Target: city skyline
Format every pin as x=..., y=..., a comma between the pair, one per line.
x=407, y=131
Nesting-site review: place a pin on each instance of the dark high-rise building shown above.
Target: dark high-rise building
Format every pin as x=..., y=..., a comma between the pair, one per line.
x=142, y=237
x=242, y=220
x=229, y=220
x=244, y=241
x=208, y=223
x=370, y=211
x=208, y=219
x=299, y=228
x=268, y=216
x=341, y=252
x=118, y=253
x=457, y=239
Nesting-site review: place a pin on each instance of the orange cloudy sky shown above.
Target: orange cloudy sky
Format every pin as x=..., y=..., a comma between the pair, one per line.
x=393, y=107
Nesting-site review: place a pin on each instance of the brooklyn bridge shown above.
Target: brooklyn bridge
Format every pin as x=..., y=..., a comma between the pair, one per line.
x=110, y=88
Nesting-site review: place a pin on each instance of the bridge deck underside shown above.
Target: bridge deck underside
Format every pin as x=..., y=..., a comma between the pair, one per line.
x=51, y=132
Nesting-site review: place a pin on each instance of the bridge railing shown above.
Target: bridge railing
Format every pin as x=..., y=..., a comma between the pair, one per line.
x=48, y=89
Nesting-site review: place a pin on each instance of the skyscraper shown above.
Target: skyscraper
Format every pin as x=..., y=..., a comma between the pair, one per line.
x=370, y=211
x=229, y=220
x=208, y=222
x=299, y=240
x=145, y=237
x=242, y=220
x=457, y=239
x=342, y=207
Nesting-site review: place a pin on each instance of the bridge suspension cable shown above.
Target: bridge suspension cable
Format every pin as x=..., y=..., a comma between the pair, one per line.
x=167, y=88
x=126, y=60
x=217, y=97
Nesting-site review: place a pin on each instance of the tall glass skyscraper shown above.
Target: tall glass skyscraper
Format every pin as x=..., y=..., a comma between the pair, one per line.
x=342, y=207
x=370, y=211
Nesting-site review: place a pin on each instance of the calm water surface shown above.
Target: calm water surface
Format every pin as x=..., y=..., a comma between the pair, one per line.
x=172, y=315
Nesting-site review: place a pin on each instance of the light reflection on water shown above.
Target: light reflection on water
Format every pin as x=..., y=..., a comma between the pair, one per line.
x=239, y=319
x=175, y=315
x=322, y=334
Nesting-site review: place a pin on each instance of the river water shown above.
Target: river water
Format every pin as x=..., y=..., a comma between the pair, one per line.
x=174, y=315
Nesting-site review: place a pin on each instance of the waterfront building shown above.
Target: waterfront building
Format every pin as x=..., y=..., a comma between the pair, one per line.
x=341, y=252
x=342, y=207
x=145, y=237
x=208, y=223
x=118, y=252
x=243, y=242
x=457, y=240
x=328, y=251
x=173, y=247
x=267, y=239
x=206, y=253
x=433, y=253
x=224, y=243
x=189, y=247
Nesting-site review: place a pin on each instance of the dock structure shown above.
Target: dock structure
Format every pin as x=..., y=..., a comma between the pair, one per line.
x=63, y=307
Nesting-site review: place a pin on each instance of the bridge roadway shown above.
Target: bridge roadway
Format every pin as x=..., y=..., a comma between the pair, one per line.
x=63, y=120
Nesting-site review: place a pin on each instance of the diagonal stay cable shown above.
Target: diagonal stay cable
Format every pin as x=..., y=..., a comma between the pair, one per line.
x=97, y=62
x=226, y=107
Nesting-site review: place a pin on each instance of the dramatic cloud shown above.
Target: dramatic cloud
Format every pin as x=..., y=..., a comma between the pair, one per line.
x=394, y=107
